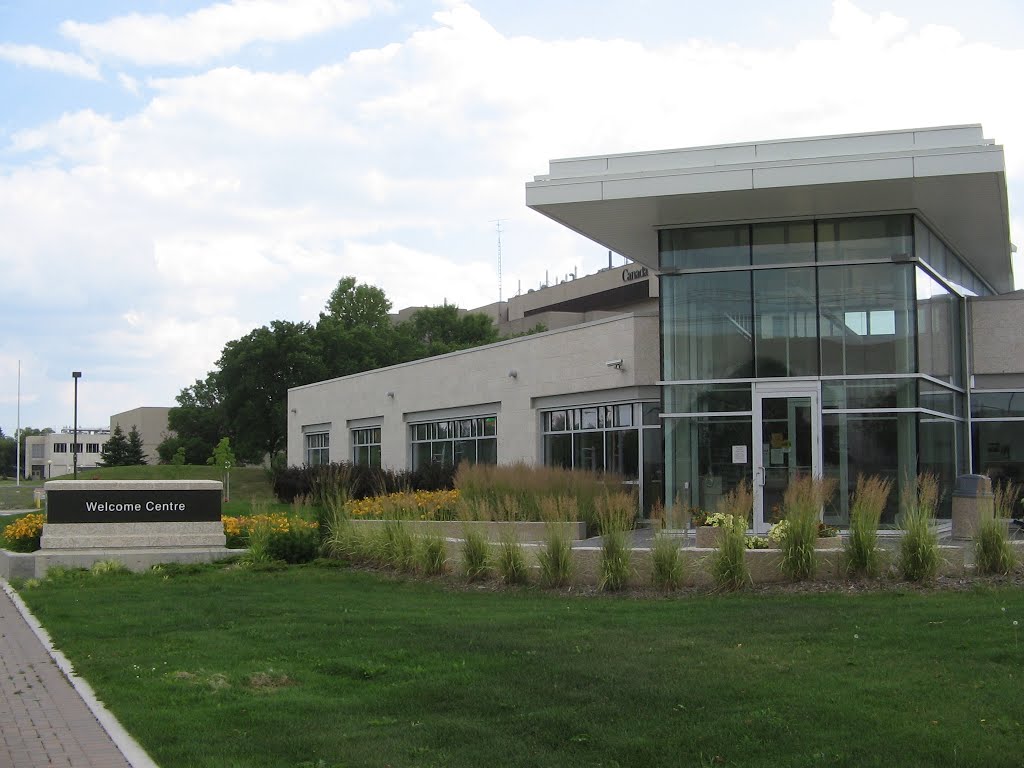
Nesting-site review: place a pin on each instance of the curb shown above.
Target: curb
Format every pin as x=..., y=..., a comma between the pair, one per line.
x=129, y=747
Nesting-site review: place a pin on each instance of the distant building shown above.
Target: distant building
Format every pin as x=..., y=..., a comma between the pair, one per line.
x=52, y=455
x=151, y=422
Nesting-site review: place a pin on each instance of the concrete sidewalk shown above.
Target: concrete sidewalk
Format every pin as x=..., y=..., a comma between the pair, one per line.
x=44, y=720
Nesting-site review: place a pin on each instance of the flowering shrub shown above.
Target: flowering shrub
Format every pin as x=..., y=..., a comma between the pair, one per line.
x=778, y=532
x=23, y=535
x=718, y=520
x=237, y=529
x=756, y=542
x=419, y=505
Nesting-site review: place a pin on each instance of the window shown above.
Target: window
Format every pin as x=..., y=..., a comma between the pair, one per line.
x=60, y=447
x=37, y=451
x=318, y=448
x=77, y=447
x=453, y=441
x=598, y=438
x=92, y=447
x=366, y=446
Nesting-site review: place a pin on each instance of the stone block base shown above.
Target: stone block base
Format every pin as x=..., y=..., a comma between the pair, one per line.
x=65, y=536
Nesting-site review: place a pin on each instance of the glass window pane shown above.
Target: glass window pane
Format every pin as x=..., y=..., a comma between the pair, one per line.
x=999, y=450
x=465, y=450
x=558, y=451
x=557, y=421
x=491, y=425
x=848, y=297
x=588, y=418
x=487, y=451
x=785, y=322
x=624, y=415
x=938, y=329
x=877, y=237
x=707, y=398
x=705, y=248
x=869, y=393
x=788, y=242
x=588, y=451
x=707, y=327
x=651, y=413
x=994, y=405
x=622, y=453
x=935, y=397
x=698, y=458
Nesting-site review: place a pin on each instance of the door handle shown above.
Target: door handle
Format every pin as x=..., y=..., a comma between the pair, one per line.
x=759, y=477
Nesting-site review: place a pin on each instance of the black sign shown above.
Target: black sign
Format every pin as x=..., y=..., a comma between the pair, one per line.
x=132, y=506
x=629, y=274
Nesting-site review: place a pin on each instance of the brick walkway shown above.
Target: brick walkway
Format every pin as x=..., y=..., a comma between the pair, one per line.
x=43, y=719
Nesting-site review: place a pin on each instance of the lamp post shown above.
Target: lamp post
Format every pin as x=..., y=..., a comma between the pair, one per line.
x=49, y=468
x=76, y=375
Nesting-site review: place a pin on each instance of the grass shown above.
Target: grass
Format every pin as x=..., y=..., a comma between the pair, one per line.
x=246, y=482
x=803, y=500
x=13, y=496
x=919, y=546
x=314, y=666
x=861, y=555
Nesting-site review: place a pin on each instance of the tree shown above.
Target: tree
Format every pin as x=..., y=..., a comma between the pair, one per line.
x=223, y=456
x=438, y=330
x=359, y=305
x=134, y=453
x=255, y=374
x=198, y=422
x=178, y=459
x=8, y=455
x=115, y=449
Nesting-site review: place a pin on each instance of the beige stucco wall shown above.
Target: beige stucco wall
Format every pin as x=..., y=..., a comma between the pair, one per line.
x=997, y=339
x=151, y=421
x=561, y=365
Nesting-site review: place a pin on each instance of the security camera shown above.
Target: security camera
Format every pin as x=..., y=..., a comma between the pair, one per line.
x=614, y=363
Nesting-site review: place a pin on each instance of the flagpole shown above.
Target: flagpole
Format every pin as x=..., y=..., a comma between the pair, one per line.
x=17, y=435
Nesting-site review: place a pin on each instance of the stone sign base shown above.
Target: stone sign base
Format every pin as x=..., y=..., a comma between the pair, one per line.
x=116, y=535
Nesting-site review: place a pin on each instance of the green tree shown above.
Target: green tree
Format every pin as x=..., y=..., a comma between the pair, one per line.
x=178, y=459
x=115, y=449
x=357, y=305
x=197, y=422
x=442, y=329
x=223, y=456
x=134, y=453
x=255, y=374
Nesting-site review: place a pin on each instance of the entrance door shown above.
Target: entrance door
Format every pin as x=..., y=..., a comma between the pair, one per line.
x=787, y=443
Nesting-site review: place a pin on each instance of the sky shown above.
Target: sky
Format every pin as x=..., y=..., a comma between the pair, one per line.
x=176, y=174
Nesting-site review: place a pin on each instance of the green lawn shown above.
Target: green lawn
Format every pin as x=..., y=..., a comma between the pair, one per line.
x=247, y=483
x=17, y=497
x=319, y=666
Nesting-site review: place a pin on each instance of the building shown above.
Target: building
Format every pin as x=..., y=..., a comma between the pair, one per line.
x=52, y=455
x=836, y=305
x=151, y=422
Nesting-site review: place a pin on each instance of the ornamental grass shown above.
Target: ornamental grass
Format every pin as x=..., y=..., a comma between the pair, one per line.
x=476, y=554
x=993, y=553
x=919, y=546
x=616, y=513
x=555, y=556
x=510, y=561
x=861, y=554
x=802, y=503
x=431, y=555
x=667, y=569
x=729, y=563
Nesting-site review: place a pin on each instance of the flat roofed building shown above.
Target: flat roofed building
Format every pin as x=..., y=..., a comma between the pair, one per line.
x=823, y=305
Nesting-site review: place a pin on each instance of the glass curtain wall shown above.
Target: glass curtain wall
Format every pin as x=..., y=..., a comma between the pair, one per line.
x=839, y=301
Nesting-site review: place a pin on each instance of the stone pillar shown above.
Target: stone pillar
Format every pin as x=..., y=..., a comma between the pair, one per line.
x=972, y=503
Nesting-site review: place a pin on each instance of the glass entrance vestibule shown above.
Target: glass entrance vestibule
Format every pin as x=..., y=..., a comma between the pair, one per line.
x=831, y=347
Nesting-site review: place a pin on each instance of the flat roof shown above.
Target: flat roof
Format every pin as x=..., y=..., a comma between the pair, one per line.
x=952, y=176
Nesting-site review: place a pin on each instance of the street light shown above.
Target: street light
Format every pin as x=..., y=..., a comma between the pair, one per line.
x=76, y=375
x=49, y=468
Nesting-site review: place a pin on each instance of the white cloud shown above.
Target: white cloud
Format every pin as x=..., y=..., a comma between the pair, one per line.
x=214, y=31
x=45, y=58
x=226, y=199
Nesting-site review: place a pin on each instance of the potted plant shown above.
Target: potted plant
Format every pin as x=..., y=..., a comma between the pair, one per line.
x=710, y=527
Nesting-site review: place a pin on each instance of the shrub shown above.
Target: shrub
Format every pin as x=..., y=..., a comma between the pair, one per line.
x=615, y=515
x=510, y=562
x=860, y=552
x=802, y=503
x=993, y=553
x=476, y=554
x=432, y=555
x=23, y=534
x=298, y=544
x=358, y=481
x=555, y=557
x=259, y=542
x=407, y=505
x=666, y=563
x=919, y=546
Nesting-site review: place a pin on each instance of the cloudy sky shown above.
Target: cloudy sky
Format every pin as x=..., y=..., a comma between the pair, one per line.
x=176, y=173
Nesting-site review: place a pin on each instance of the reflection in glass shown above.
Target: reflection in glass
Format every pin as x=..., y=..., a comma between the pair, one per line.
x=875, y=237
x=785, y=323
x=999, y=450
x=698, y=458
x=869, y=393
x=994, y=405
x=938, y=329
x=785, y=242
x=707, y=398
x=866, y=319
x=707, y=329
x=704, y=247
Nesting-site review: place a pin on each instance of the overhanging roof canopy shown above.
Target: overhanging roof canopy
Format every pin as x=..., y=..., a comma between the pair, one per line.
x=952, y=176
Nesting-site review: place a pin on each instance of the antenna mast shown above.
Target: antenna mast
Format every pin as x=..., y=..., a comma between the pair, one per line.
x=497, y=227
